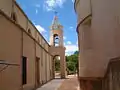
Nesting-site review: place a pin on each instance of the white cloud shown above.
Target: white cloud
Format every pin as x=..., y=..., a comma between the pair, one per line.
x=36, y=11
x=64, y=44
x=73, y=1
x=49, y=5
x=70, y=49
x=40, y=28
x=68, y=53
x=64, y=37
x=77, y=42
x=71, y=27
x=69, y=42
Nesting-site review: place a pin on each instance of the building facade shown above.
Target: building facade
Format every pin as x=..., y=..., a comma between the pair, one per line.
x=98, y=38
x=26, y=61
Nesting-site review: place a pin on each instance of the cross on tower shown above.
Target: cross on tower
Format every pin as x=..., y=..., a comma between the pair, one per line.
x=56, y=13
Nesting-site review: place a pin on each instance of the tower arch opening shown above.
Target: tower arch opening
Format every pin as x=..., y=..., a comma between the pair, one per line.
x=56, y=40
x=57, y=73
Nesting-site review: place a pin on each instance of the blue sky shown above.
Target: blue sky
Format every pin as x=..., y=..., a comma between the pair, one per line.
x=41, y=13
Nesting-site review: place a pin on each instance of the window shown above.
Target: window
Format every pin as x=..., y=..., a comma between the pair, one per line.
x=29, y=31
x=24, y=70
x=14, y=17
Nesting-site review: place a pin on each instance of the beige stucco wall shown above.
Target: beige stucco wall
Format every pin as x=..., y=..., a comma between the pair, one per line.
x=41, y=66
x=38, y=54
x=6, y=6
x=86, y=51
x=51, y=67
x=104, y=43
x=83, y=9
x=48, y=68
x=33, y=31
x=21, y=19
x=29, y=52
x=44, y=67
x=10, y=50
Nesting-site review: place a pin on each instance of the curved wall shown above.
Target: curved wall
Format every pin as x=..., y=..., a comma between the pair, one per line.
x=104, y=32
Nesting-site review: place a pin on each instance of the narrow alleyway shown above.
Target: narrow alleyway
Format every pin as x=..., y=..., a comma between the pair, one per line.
x=70, y=83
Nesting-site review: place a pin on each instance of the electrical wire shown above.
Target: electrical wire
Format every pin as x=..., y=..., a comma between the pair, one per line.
x=9, y=64
x=4, y=68
x=6, y=65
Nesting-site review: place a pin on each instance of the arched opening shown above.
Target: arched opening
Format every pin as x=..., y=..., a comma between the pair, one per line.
x=29, y=31
x=56, y=40
x=57, y=73
x=14, y=17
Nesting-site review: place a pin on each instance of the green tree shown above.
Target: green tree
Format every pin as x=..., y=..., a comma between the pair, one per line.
x=57, y=65
x=71, y=66
x=76, y=52
x=72, y=62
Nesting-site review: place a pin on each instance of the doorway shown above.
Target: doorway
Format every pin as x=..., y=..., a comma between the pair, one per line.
x=37, y=66
x=57, y=71
x=24, y=70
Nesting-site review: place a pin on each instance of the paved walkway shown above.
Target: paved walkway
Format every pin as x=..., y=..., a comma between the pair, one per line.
x=70, y=83
x=52, y=85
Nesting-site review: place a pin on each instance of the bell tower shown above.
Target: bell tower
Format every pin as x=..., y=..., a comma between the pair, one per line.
x=56, y=44
x=56, y=33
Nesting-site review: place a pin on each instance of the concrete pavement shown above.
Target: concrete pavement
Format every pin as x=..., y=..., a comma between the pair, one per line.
x=70, y=83
x=52, y=85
